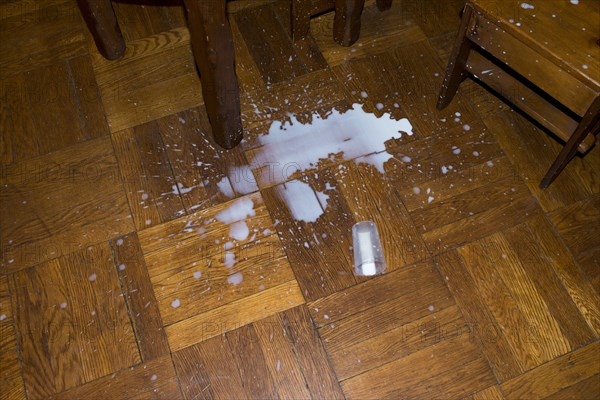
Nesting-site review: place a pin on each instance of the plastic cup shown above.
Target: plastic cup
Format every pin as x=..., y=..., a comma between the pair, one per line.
x=368, y=254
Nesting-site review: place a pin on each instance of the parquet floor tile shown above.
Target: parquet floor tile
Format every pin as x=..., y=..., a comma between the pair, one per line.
x=72, y=321
x=276, y=357
x=61, y=202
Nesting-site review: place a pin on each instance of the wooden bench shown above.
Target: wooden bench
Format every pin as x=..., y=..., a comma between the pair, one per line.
x=346, y=25
x=542, y=57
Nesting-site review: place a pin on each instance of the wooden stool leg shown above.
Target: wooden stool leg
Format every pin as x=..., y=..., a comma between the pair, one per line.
x=346, y=26
x=300, y=19
x=383, y=5
x=590, y=122
x=456, y=71
x=212, y=44
x=102, y=23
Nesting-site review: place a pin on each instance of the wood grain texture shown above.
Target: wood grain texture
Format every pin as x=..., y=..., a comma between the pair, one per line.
x=55, y=24
x=152, y=190
x=139, y=88
x=201, y=327
x=153, y=379
x=61, y=202
x=73, y=322
x=556, y=375
x=491, y=288
x=531, y=151
x=140, y=297
x=278, y=356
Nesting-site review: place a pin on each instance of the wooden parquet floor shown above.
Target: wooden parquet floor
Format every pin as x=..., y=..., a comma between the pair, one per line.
x=119, y=278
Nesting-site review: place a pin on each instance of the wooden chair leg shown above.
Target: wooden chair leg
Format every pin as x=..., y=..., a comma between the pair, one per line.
x=102, y=23
x=346, y=26
x=300, y=19
x=383, y=5
x=589, y=123
x=456, y=72
x=212, y=44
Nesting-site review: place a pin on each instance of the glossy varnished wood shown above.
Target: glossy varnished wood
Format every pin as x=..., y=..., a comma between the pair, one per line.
x=117, y=278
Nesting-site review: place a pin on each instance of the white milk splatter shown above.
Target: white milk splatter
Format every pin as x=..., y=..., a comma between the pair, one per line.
x=197, y=274
x=225, y=187
x=301, y=200
x=527, y=6
x=236, y=278
x=92, y=277
x=229, y=259
x=242, y=180
x=237, y=211
x=239, y=230
x=352, y=134
x=175, y=303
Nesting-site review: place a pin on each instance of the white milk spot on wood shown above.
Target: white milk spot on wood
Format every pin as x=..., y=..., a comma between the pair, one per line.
x=63, y=305
x=228, y=246
x=239, y=230
x=527, y=6
x=197, y=274
x=229, y=259
x=237, y=211
x=377, y=160
x=301, y=200
x=2, y=317
x=92, y=277
x=225, y=187
x=175, y=303
x=242, y=180
x=121, y=267
x=153, y=377
x=351, y=134
x=236, y=278
x=119, y=242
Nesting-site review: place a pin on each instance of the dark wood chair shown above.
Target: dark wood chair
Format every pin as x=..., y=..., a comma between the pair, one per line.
x=346, y=27
x=544, y=64
x=212, y=45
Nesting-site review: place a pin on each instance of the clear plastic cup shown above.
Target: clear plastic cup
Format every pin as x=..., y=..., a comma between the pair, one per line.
x=368, y=254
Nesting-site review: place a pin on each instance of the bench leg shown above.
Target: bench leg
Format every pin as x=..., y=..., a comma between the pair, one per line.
x=383, y=5
x=456, y=72
x=101, y=21
x=589, y=123
x=346, y=26
x=212, y=44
